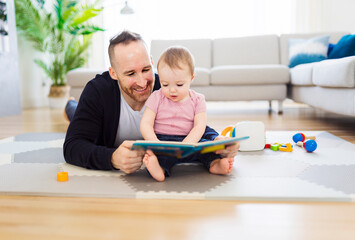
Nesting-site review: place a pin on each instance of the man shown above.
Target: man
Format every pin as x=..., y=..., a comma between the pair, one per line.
x=107, y=117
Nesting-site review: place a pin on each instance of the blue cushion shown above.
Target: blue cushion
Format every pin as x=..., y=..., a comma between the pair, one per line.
x=344, y=48
x=308, y=50
x=330, y=48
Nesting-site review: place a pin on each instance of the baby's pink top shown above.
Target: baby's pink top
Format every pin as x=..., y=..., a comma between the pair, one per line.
x=175, y=118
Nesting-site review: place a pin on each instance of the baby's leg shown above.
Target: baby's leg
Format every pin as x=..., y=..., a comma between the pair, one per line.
x=222, y=166
x=153, y=166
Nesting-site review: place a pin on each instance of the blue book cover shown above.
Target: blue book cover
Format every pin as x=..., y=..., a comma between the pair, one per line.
x=182, y=149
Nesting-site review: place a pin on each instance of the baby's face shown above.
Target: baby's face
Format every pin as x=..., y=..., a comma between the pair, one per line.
x=175, y=83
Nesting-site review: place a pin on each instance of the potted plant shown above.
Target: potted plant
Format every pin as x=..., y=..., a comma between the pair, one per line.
x=3, y=19
x=62, y=33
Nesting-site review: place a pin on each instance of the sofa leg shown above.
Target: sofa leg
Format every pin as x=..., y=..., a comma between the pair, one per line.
x=270, y=106
x=280, y=109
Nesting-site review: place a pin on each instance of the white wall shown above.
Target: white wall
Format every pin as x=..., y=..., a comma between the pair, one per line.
x=338, y=15
x=34, y=84
x=10, y=97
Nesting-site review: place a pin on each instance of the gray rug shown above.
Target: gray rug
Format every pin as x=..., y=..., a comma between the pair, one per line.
x=29, y=164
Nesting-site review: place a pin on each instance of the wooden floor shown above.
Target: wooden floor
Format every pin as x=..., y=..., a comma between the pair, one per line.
x=32, y=217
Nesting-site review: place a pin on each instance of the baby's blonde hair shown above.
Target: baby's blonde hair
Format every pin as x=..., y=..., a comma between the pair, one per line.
x=175, y=56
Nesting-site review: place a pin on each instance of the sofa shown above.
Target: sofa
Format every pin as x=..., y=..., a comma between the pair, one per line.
x=256, y=68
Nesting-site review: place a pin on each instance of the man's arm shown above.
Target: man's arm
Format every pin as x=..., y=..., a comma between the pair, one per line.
x=83, y=146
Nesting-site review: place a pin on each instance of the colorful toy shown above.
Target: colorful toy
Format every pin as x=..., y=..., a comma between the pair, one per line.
x=280, y=147
x=300, y=137
x=62, y=176
x=228, y=129
x=286, y=148
x=254, y=129
x=275, y=146
x=309, y=145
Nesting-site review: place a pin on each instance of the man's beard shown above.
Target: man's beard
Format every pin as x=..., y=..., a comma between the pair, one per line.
x=131, y=91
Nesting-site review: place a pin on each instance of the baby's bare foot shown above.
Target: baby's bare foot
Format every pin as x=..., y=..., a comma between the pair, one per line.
x=222, y=166
x=152, y=164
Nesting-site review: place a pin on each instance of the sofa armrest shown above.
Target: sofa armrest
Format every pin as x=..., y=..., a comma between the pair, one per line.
x=335, y=73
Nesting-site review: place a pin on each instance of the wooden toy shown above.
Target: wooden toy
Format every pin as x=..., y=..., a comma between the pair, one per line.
x=227, y=130
x=275, y=146
x=62, y=176
x=300, y=137
x=286, y=148
x=309, y=145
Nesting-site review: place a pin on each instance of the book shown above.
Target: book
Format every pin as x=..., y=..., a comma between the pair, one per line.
x=182, y=149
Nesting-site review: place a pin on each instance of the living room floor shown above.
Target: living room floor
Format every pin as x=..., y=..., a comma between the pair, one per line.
x=295, y=117
x=38, y=217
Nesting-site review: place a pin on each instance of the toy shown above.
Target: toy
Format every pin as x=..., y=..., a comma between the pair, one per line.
x=280, y=147
x=254, y=129
x=62, y=176
x=227, y=129
x=309, y=145
x=300, y=137
x=275, y=146
x=287, y=148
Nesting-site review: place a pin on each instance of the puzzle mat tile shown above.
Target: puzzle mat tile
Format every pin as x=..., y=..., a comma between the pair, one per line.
x=40, y=179
x=29, y=163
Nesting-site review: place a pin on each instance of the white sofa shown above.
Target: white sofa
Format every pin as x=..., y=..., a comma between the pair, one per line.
x=256, y=68
x=235, y=69
x=328, y=85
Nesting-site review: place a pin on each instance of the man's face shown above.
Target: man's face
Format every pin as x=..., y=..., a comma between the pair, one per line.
x=133, y=69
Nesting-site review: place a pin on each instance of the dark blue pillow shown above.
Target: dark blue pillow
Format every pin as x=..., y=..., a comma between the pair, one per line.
x=344, y=48
x=330, y=48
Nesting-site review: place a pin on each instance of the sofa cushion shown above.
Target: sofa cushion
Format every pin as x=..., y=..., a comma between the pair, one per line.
x=202, y=77
x=80, y=76
x=243, y=93
x=246, y=50
x=335, y=73
x=307, y=50
x=302, y=74
x=344, y=48
x=330, y=48
x=334, y=38
x=201, y=49
x=250, y=74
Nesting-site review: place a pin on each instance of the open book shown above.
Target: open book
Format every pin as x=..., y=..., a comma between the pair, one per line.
x=181, y=149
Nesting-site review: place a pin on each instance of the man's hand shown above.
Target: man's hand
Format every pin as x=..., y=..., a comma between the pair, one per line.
x=230, y=151
x=125, y=159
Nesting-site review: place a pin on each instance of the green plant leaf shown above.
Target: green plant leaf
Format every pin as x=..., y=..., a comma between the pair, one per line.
x=84, y=30
x=63, y=33
x=30, y=21
x=44, y=66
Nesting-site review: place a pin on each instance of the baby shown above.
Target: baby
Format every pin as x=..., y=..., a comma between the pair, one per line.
x=177, y=113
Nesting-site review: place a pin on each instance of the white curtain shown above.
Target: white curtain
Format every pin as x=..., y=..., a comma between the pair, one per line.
x=183, y=19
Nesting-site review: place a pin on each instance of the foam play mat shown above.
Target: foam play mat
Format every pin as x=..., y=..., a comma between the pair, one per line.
x=29, y=164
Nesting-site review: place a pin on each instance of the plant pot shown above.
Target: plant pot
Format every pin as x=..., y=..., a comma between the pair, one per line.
x=58, y=96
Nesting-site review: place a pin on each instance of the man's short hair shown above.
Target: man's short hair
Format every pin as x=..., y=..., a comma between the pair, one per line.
x=125, y=37
x=175, y=56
